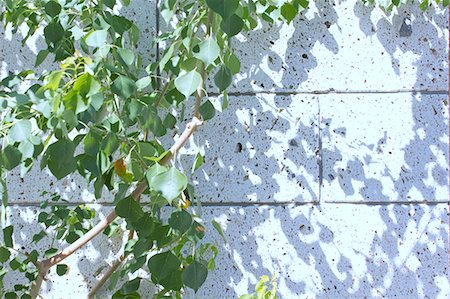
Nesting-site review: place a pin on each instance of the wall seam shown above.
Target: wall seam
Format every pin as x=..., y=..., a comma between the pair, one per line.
x=319, y=92
x=247, y=204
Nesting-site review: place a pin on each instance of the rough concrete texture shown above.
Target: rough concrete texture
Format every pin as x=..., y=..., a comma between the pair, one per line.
x=346, y=46
x=329, y=169
x=316, y=251
x=385, y=147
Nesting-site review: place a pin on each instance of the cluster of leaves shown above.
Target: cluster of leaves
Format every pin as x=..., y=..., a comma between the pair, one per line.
x=64, y=224
x=262, y=290
x=181, y=260
x=100, y=113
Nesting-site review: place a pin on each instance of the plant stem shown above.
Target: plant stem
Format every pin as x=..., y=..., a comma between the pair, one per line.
x=115, y=265
x=44, y=266
x=199, y=94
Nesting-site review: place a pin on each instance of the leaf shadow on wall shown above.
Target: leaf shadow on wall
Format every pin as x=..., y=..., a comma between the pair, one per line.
x=357, y=251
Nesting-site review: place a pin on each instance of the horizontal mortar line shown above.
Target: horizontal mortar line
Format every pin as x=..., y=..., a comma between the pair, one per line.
x=376, y=203
x=203, y=204
x=246, y=204
x=316, y=92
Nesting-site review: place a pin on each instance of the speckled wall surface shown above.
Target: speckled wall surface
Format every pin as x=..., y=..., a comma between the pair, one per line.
x=329, y=169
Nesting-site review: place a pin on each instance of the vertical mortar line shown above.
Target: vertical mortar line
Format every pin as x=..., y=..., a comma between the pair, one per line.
x=448, y=107
x=320, y=149
x=158, y=72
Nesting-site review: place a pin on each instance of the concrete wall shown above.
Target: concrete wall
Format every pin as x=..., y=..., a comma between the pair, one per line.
x=329, y=169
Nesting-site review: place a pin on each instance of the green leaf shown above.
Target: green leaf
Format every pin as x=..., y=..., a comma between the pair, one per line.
x=173, y=281
x=234, y=64
x=129, y=209
x=303, y=3
x=60, y=158
x=288, y=11
x=143, y=83
x=110, y=144
x=232, y=25
x=50, y=252
x=7, y=236
x=92, y=143
x=87, y=85
x=196, y=232
x=162, y=265
x=131, y=286
x=218, y=228
x=180, y=221
x=225, y=101
x=61, y=269
x=52, y=8
x=4, y=254
x=141, y=247
x=195, y=275
x=223, y=78
x=11, y=157
x=209, y=51
x=225, y=8
x=424, y=5
x=169, y=121
x=27, y=149
x=189, y=64
x=53, y=32
x=39, y=236
x=126, y=55
x=145, y=225
x=207, y=110
x=154, y=170
x=41, y=57
x=109, y=3
x=96, y=38
x=187, y=83
x=170, y=183
x=20, y=131
x=124, y=87
x=15, y=264
x=197, y=162
x=53, y=80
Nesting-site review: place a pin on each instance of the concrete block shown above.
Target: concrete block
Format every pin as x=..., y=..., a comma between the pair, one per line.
x=333, y=251
x=261, y=148
x=347, y=46
x=385, y=147
x=72, y=188
x=326, y=251
x=14, y=57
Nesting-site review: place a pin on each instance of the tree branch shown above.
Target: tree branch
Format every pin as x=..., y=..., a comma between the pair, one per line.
x=44, y=266
x=115, y=265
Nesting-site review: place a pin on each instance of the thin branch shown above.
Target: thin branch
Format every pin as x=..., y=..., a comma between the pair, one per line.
x=116, y=264
x=199, y=94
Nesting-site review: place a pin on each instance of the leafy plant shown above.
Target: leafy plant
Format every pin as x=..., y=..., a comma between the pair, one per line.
x=265, y=289
x=100, y=113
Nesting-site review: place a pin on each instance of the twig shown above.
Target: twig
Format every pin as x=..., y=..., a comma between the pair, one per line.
x=115, y=265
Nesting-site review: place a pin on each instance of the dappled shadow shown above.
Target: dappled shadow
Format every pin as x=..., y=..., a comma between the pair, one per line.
x=267, y=148
x=381, y=147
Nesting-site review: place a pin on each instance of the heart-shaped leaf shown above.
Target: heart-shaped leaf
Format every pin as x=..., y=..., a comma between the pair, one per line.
x=209, y=51
x=232, y=25
x=187, y=83
x=170, y=183
x=195, y=275
x=129, y=209
x=225, y=8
